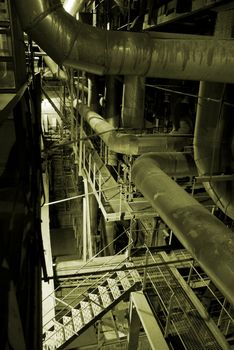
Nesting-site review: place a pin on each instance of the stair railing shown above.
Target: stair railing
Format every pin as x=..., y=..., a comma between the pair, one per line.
x=93, y=285
x=51, y=295
x=92, y=289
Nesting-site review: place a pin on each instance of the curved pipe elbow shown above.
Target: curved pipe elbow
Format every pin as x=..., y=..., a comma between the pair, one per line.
x=212, y=146
x=69, y=42
x=130, y=144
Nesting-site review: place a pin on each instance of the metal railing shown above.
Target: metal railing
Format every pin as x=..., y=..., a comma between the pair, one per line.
x=84, y=295
x=106, y=190
x=108, y=263
x=177, y=314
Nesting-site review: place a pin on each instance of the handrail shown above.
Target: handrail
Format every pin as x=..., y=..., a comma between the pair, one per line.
x=86, y=279
x=211, y=291
x=89, y=261
x=97, y=282
x=89, y=166
x=57, y=321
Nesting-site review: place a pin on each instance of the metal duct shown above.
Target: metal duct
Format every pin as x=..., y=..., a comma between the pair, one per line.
x=209, y=241
x=98, y=51
x=132, y=144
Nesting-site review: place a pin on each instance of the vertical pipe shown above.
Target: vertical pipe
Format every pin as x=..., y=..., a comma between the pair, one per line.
x=112, y=111
x=133, y=102
x=88, y=224
x=92, y=93
x=84, y=231
x=112, y=107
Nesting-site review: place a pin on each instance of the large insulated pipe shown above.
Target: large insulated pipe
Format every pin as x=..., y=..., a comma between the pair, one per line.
x=209, y=241
x=72, y=7
x=98, y=51
x=133, y=102
x=132, y=144
x=214, y=131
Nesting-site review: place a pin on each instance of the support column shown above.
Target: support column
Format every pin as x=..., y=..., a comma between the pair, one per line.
x=134, y=327
x=148, y=321
x=213, y=137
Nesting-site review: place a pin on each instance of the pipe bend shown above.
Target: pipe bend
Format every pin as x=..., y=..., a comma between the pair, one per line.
x=131, y=144
x=69, y=42
x=212, y=144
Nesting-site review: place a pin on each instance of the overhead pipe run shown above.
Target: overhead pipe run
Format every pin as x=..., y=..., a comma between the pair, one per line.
x=99, y=51
x=209, y=241
x=131, y=144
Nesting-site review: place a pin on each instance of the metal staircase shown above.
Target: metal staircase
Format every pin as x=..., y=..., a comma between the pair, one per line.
x=90, y=306
x=182, y=318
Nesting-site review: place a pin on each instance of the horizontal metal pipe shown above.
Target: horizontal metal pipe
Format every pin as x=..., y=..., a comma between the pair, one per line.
x=98, y=51
x=209, y=241
x=129, y=143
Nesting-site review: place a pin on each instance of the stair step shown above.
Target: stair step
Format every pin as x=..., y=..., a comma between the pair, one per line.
x=68, y=327
x=59, y=334
x=134, y=273
x=86, y=311
x=105, y=296
x=77, y=319
x=124, y=280
x=50, y=339
x=114, y=288
x=96, y=307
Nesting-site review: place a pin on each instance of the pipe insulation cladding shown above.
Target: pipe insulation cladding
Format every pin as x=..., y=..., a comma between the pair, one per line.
x=209, y=241
x=175, y=56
